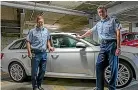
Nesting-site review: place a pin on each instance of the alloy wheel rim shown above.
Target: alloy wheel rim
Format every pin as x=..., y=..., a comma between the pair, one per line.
x=16, y=72
x=123, y=75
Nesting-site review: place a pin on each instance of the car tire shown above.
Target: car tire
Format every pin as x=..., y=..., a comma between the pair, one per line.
x=125, y=75
x=17, y=72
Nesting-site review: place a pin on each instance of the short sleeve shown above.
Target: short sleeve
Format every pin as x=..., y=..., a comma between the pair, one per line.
x=118, y=26
x=48, y=36
x=94, y=28
x=29, y=36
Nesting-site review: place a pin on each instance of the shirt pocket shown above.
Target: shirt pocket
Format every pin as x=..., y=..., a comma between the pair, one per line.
x=99, y=29
x=44, y=35
x=108, y=29
x=36, y=37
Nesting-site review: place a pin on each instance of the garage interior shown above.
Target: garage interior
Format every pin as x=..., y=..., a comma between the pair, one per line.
x=17, y=17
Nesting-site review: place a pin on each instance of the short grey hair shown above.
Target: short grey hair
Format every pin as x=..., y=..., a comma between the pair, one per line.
x=102, y=7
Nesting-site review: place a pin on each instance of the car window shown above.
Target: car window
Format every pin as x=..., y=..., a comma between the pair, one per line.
x=130, y=37
x=24, y=45
x=63, y=41
x=136, y=36
x=17, y=45
x=90, y=40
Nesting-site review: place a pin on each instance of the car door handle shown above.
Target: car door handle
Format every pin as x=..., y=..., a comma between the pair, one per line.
x=55, y=56
x=24, y=56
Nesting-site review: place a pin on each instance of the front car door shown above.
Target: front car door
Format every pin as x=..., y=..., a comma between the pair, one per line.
x=69, y=59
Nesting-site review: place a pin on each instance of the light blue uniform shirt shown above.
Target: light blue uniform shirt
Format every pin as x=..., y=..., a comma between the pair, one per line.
x=107, y=28
x=38, y=38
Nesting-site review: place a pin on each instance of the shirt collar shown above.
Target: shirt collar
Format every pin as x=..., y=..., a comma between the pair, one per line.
x=39, y=28
x=106, y=19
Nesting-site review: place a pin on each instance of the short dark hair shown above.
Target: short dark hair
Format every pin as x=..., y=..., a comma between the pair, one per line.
x=102, y=7
x=39, y=17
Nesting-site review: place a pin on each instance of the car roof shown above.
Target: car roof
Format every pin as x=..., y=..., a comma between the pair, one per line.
x=57, y=33
x=64, y=33
x=130, y=33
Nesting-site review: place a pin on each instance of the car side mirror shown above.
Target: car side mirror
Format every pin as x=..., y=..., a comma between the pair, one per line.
x=80, y=45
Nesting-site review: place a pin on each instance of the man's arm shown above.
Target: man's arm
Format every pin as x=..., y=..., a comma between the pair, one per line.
x=29, y=49
x=49, y=46
x=85, y=34
x=28, y=40
x=118, y=28
x=89, y=32
x=118, y=39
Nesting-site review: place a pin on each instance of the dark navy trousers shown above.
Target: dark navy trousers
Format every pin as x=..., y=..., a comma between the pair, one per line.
x=38, y=68
x=107, y=57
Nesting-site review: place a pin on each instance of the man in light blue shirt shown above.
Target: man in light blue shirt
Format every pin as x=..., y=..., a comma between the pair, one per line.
x=38, y=39
x=108, y=29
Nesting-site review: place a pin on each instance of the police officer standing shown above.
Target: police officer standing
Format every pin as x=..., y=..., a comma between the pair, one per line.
x=38, y=40
x=108, y=29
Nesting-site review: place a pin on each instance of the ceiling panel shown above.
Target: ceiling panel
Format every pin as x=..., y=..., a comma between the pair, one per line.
x=98, y=2
x=63, y=4
x=129, y=15
x=71, y=22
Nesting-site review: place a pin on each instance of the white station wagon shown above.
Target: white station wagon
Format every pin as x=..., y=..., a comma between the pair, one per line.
x=72, y=58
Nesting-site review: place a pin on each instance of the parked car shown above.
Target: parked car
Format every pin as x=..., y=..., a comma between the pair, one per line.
x=130, y=39
x=72, y=58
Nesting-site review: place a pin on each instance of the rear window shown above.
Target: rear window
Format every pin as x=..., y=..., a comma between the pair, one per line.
x=17, y=45
x=132, y=37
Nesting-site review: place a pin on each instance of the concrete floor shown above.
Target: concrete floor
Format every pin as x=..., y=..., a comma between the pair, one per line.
x=56, y=84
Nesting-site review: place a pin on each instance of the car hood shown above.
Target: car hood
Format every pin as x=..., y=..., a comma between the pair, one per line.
x=127, y=49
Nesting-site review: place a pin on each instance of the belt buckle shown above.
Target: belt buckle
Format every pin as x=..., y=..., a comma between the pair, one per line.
x=42, y=50
x=104, y=41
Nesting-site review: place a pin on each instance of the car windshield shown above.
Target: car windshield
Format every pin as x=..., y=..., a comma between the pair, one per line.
x=90, y=40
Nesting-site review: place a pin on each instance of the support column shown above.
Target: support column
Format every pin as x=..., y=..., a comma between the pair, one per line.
x=22, y=18
x=134, y=26
x=130, y=27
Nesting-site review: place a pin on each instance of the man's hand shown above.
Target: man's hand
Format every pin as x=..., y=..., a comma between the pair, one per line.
x=84, y=35
x=51, y=49
x=30, y=55
x=79, y=37
x=118, y=52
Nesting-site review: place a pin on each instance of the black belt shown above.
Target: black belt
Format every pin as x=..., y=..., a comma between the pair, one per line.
x=108, y=40
x=38, y=50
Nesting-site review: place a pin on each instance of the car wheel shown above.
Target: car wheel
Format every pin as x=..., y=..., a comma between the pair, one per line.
x=17, y=72
x=125, y=75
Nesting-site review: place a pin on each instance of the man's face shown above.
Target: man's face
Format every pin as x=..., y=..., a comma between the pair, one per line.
x=40, y=22
x=102, y=13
